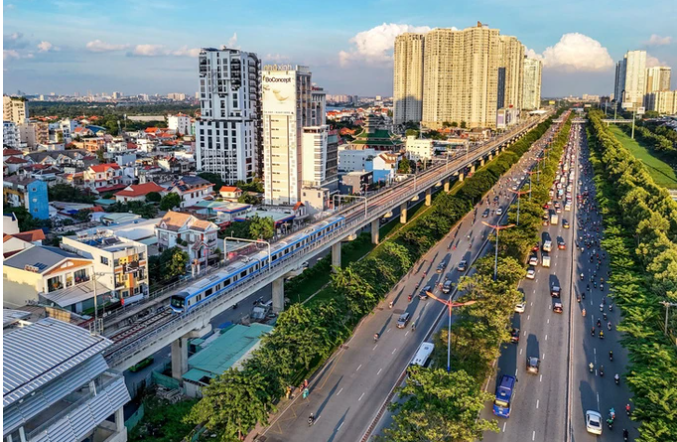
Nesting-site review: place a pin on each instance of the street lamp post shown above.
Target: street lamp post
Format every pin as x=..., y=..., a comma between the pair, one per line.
x=667, y=306
x=450, y=305
x=497, y=228
x=96, y=301
x=518, y=192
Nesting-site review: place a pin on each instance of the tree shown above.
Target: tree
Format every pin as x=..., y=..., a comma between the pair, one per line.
x=153, y=197
x=170, y=201
x=463, y=125
x=412, y=133
x=247, y=198
x=68, y=193
x=438, y=406
x=213, y=178
x=261, y=228
x=25, y=219
x=454, y=124
x=404, y=166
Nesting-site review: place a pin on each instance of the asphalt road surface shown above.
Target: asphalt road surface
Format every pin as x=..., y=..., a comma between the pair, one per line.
x=553, y=402
x=347, y=393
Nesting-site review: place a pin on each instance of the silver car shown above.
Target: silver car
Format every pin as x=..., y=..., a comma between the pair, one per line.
x=593, y=422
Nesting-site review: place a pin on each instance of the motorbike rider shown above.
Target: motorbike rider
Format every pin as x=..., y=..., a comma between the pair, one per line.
x=592, y=367
x=375, y=336
x=311, y=419
x=611, y=355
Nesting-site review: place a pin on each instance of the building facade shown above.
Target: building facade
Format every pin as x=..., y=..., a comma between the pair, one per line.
x=228, y=133
x=408, y=78
x=30, y=193
x=196, y=237
x=663, y=102
x=287, y=104
x=14, y=109
x=419, y=149
x=630, y=81
x=181, y=123
x=658, y=78
x=510, y=73
x=10, y=135
x=531, y=90
x=461, y=76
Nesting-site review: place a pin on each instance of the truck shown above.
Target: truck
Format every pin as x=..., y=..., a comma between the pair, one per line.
x=547, y=245
x=545, y=259
x=554, y=219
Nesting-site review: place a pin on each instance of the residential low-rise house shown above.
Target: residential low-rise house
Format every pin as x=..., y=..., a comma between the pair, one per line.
x=121, y=264
x=351, y=160
x=13, y=164
x=41, y=270
x=57, y=384
x=230, y=193
x=15, y=242
x=19, y=191
x=419, y=149
x=180, y=123
x=356, y=182
x=191, y=189
x=138, y=192
x=103, y=178
x=384, y=167
x=195, y=236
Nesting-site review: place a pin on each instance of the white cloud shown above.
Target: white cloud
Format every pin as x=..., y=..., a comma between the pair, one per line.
x=100, y=46
x=657, y=40
x=9, y=54
x=232, y=42
x=150, y=50
x=46, y=46
x=183, y=51
x=652, y=61
x=276, y=58
x=375, y=45
x=575, y=52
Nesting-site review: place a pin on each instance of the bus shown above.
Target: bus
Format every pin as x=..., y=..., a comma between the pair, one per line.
x=423, y=354
x=504, y=393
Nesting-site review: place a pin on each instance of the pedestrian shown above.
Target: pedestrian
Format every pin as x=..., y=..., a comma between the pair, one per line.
x=305, y=383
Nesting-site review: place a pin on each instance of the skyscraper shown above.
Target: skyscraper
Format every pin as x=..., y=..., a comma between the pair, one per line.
x=658, y=79
x=14, y=109
x=228, y=133
x=511, y=72
x=461, y=75
x=408, y=78
x=531, y=98
x=630, y=81
x=287, y=106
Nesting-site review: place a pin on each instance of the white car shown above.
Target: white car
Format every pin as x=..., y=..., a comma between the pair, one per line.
x=499, y=211
x=593, y=422
x=522, y=306
x=531, y=273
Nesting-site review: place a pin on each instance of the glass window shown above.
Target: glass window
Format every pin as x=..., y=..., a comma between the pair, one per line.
x=104, y=260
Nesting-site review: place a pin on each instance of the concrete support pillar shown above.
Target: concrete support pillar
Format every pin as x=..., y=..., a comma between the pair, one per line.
x=278, y=295
x=482, y=162
x=461, y=177
x=491, y=156
x=120, y=419
x=403, y=213
x=375, y=225
x=472, y=169
x=446, y=185
x=428, y=196
x=336, y=256
x=179, y=357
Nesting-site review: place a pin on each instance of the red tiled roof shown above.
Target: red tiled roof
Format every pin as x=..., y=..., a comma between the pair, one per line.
x=104, y=167
x=229, y=189
x=110, y=189
x=28, y=236
x=151, y=129
x=297, y=205
x=7, y=152
x=81, y=129
x=16, y=160
x=140, y=190
x=131, y=146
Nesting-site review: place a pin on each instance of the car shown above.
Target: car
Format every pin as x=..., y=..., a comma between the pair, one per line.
x=486, y=213
x=537, y=247
x=565, y=224
x=546, y=219
x=561, y=245
x=441, y=267
x=555, y=291
x=557, y=308
x=499, y=211
x=446, y=287
x=533, y=260
x=515, y=335
x=521, y=306
x=424, y=292
x=496, y=199
x=531, y=273
x=403, y=320
x=462, y=266
x=558, y=209
x=533, y=364
x=514, y=188
x=546, y=206
x=593, y=422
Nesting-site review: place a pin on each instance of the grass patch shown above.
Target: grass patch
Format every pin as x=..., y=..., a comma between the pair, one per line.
x=662, y=173
x=163, y=421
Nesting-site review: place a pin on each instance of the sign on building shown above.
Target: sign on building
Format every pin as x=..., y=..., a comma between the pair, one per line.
x=640, y=110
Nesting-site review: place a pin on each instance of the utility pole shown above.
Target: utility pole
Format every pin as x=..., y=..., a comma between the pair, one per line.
x=497, y=228
x=634, y=110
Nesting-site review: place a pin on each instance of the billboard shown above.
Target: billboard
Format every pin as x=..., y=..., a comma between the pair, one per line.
x=279, y=92
x=551, y=102
x=641, y=110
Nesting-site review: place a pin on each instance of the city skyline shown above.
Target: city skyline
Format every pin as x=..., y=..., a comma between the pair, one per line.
x=122, y=50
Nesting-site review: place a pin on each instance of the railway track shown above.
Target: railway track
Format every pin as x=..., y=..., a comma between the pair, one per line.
x=146, y=323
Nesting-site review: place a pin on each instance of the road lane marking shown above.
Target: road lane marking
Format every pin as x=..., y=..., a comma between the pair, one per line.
x=358, y=367
x=394, y=351
x=504, y=424
x=543, y=358
x=340, y=426
x=339, y=392
x=546, y=337
x=540, y=379
x=405, y=335
x=533, y=436
x=525, y=332
x=515, y=372
x=598, y=401
x=533, y=292
x=361, y=396
x=528, y=316
x=520, y=351
x=537, y=402
x=374, y=347
x=548, y=321
x=387, y=331
x=379, y=371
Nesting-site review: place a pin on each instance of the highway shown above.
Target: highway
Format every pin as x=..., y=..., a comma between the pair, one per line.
x=551, y=405
x=151, y=336
x=347, y=393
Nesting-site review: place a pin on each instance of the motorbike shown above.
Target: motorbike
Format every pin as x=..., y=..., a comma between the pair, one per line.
x=578, y=298
x=311, y=420
x=591, y=367
x=601, y=334
x=611, y=356
x=409, y=298
x=608, y=325
x=599, y=323
x=375, y=337
x=625, y=435
x=583, y=312
x=617, y=380
x=592, y=331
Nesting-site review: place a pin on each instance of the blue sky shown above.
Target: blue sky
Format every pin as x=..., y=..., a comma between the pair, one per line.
x=138, y=46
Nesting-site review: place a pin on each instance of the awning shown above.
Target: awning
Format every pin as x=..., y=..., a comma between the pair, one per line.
x=78, y=293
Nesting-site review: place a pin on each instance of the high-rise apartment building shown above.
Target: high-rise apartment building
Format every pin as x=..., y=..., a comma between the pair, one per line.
x=630, y=81
x=228, y=133
x=531, y=89
x=14, y=109
x=461, y=73
x=286, y=110
x=511, y=73
x=408, y=78
x=658, y=79
x=663, y=102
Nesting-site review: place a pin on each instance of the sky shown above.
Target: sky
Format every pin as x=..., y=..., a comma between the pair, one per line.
x=151, y=46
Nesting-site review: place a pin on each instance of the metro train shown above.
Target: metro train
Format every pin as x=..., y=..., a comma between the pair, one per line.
x=249, y=266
